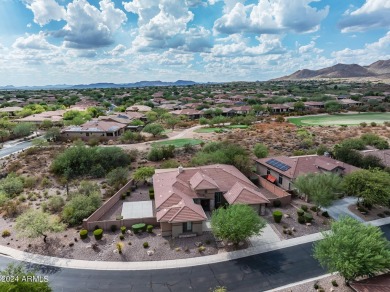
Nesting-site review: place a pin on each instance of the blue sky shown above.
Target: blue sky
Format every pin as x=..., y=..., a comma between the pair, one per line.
x=86, y=41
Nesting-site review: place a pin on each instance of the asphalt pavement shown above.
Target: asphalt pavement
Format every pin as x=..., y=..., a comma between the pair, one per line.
x=15, y=148
x=253, y=273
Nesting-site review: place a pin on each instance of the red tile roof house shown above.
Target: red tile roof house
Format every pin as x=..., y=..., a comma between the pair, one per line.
x=283, y=170
x=103, y=130
x=183, y=195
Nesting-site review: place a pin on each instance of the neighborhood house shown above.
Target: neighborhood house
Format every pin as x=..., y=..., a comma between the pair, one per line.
x=183, y=196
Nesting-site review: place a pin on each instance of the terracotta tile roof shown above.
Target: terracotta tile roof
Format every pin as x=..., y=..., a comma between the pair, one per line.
x=375, y=284
x=240, y=193
x=11, y=109
x=307, y=164
x=174, y=189
x=96, y=126
x=139, y=108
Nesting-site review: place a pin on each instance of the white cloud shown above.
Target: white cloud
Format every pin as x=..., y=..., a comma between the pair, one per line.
x=45, y=11
x=33, y=42
x=164, y=24
x=270, y=16
x=373, y=14
x=371, y=52
x=118, y=50
x=309, y=48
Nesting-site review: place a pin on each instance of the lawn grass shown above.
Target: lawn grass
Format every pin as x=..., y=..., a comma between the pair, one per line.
x=211, y=130
x=341, y=119
x=178, y=142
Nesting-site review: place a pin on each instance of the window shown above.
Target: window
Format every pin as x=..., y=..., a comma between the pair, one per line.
x=280, y=179
x=87, y=134
x=268, y=171
x=187, y=227
x=218, y=196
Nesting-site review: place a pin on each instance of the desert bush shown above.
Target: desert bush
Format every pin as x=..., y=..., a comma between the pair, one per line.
x=123, y=229
x=277, y=203
x=304, y=208
x=145, y=244
x=5, y=233
x=118, y=176
x=334, y=283
x=83, y=233
x=325, y=214
x=201, y=249
x=300, y=212
x=29, y=182
x=308, y=217
x=121, y=237
x=55, y=204
x=161, y=153
x=93, y=142
x=301, y=220
x=11, y=185
x=98, y=233
x=149, y=228
x=278, y=215
x=80, y=207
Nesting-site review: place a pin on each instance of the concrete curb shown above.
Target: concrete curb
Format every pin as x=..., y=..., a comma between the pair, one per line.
x=169, y=264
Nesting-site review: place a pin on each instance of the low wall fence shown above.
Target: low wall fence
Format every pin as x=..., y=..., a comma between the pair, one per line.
x=106, y=224
x=282, y=195
x=99, y=213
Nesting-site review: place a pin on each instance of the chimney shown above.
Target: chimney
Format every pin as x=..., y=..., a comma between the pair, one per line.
x=180, y=169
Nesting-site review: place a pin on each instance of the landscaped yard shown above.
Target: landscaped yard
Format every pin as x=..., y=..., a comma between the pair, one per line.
x=341, y=119
x=178, y=142
x=215, y=129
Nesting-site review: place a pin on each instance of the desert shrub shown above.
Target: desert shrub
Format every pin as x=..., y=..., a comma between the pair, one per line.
x=362, y=209
x=113, y=228
x=123, y=196
x=308, y=217
x=145, y=244
x=314, y=208
x=373, y=124
x=118, y=176
x=123, y=229
x=381, y=215
x=4, y=198
x=300, y=212
x=80, y=207
x=5, y=233
x=334, y=283
x=161, y=153
x=29, y=182
x=277, y=203
x=80, y=160
x=55, y=204
x=304, y=208
x=138, y=227
x=301, y=220
x=201, y=248
x=45, y=182
x=13, y=208
x=83, y=233
x=386, y=212
x=325, y=214
x=93, y=142
x=260, y=150
x=278, y=215
x=149, y=228
x=169, y=164
x=151, y=196
x=98, y=233
x=121, y=237
x=363, y=125
x=11, y=185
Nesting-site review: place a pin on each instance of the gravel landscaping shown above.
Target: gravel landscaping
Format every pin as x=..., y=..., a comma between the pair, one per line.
x=324, y=283
x=289, y=226
x=375, y=213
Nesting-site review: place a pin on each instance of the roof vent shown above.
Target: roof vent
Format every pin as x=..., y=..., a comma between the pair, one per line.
x=180, y=169
x=326, y=154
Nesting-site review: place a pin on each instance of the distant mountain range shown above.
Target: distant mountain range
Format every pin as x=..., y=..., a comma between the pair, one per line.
x=101, y=85
x=379, y=69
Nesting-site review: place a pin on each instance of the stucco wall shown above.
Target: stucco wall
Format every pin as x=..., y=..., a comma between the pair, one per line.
x=166, y=229
x=177, y=228
x=197, y=227
x=262, y=170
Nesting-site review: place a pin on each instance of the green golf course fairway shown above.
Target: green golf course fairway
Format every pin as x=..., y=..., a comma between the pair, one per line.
x=214, y=129
x=341, y=119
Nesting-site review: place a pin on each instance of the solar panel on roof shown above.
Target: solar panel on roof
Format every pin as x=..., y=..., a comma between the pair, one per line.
x=279, y=165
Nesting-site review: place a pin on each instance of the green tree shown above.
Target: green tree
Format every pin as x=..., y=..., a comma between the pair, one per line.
x=4, y=134
x=172, y=122
x=143, y=173
x=299, y=106
x=53, y=133
x=11, y=185
x=236, y=223
x=332, y=107
x=37, y=223
x=80, y=207
x=154, y=129
x=260, y=150
x=118, y=176
x=372, y=186
x=21, y=283
x=152, y=116
x=320, y=188
x=39, y=142
x=23, y=129
x=353, y=249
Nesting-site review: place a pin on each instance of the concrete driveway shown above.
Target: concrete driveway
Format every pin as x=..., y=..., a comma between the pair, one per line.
x=340, y=208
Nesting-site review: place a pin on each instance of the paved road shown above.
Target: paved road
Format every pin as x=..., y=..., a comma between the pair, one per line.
x=255, y=273
x=18, y=147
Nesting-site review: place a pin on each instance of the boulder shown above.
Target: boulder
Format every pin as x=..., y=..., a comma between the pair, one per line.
x=308, y=224
x=198, y=243
x=150, y=252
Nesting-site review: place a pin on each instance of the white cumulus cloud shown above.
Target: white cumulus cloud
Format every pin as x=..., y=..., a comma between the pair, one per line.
x=373, y=14
x=45, y=11
x=270, y=16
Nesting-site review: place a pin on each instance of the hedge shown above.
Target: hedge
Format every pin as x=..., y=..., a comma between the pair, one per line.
x=138, y=227
x=98, y=233
x=277, y=216
x=83, y=233
x=300, y=212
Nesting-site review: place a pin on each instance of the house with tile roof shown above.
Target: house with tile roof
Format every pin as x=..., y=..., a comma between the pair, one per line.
x=283, y=170
x=103, y=130
x=183, y=196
